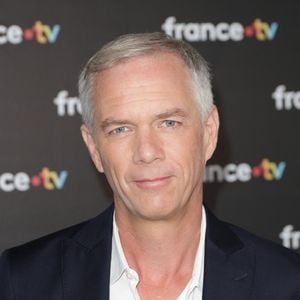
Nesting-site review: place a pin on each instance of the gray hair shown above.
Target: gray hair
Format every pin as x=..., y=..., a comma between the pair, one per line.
x=133, y=45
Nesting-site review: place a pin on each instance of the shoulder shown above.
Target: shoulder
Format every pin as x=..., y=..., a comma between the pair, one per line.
x=276, y=268
x=43, y=244
x=39, y=263
x=268, y=254
x=231, y=238
x=32, y=261
x=271, y=263
x=50, y=245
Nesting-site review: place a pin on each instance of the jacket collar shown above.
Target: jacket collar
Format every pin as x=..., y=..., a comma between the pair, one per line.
x=228, y=267
x=229, y=263
x=86, y=260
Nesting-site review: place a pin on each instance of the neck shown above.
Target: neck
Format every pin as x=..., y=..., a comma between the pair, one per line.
x=160, y=250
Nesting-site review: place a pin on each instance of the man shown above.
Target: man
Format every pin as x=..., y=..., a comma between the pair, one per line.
x=150, y=125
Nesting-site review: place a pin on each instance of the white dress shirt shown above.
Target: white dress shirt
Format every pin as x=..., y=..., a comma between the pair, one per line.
x=124, y=280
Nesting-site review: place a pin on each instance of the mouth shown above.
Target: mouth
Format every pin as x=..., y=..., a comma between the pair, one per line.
x=151, y=183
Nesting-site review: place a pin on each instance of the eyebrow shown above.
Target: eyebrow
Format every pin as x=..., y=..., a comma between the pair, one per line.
x=110, y=121
x=172, y=112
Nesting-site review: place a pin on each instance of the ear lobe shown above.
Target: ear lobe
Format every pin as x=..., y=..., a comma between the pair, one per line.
x=211, y=128
x=89, y=142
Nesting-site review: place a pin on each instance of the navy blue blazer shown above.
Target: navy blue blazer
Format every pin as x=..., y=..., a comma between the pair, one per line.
x=74, y=264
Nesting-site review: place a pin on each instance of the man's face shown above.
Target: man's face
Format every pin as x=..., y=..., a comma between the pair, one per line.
x=148, y=138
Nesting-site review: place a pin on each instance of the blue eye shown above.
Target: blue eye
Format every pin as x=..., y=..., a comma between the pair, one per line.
x=170, y=123
x=119, y=130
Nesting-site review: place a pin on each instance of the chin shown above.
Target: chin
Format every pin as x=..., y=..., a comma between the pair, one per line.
x=151, y=207
x=158, y=212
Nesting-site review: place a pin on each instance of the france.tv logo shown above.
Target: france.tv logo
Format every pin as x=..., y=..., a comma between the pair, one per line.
x=38, y=32
x=220, y=32
x=243, y=172
x=46, y=179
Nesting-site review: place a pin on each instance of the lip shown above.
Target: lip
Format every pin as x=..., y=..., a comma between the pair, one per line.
x=150, y=183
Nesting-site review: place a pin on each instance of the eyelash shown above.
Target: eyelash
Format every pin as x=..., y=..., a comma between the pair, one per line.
x=175, y=123
x=116, y=131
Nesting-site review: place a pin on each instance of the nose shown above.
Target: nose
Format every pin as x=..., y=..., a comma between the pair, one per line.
x=148, y=147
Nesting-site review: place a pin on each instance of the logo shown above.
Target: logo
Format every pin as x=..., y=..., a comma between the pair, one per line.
x=67, y=105
x=222, y=32
x=21, y=181
x=290, y=237
x=39, y=32
x=243, y=172
x=286, y=100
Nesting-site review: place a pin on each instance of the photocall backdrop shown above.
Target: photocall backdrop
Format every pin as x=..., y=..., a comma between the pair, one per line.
x=47, y=180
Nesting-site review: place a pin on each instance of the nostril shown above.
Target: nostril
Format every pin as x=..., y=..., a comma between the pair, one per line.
x=148, y=149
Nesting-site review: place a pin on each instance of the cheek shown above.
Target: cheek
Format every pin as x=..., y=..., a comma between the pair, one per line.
x=191, y=144
x=114, y=160
x=189, y=156
x=187, y=151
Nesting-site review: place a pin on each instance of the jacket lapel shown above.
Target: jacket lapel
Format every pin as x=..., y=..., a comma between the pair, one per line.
x=86, y=260
x=229, y=263
x=228, y=269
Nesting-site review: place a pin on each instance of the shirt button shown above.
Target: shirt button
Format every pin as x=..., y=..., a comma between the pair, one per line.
x=130, y=276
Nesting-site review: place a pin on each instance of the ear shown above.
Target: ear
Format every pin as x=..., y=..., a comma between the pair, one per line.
x=211, y=128
x=94, y=153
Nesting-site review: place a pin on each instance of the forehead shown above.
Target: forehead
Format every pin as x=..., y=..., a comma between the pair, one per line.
x=147, y=80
